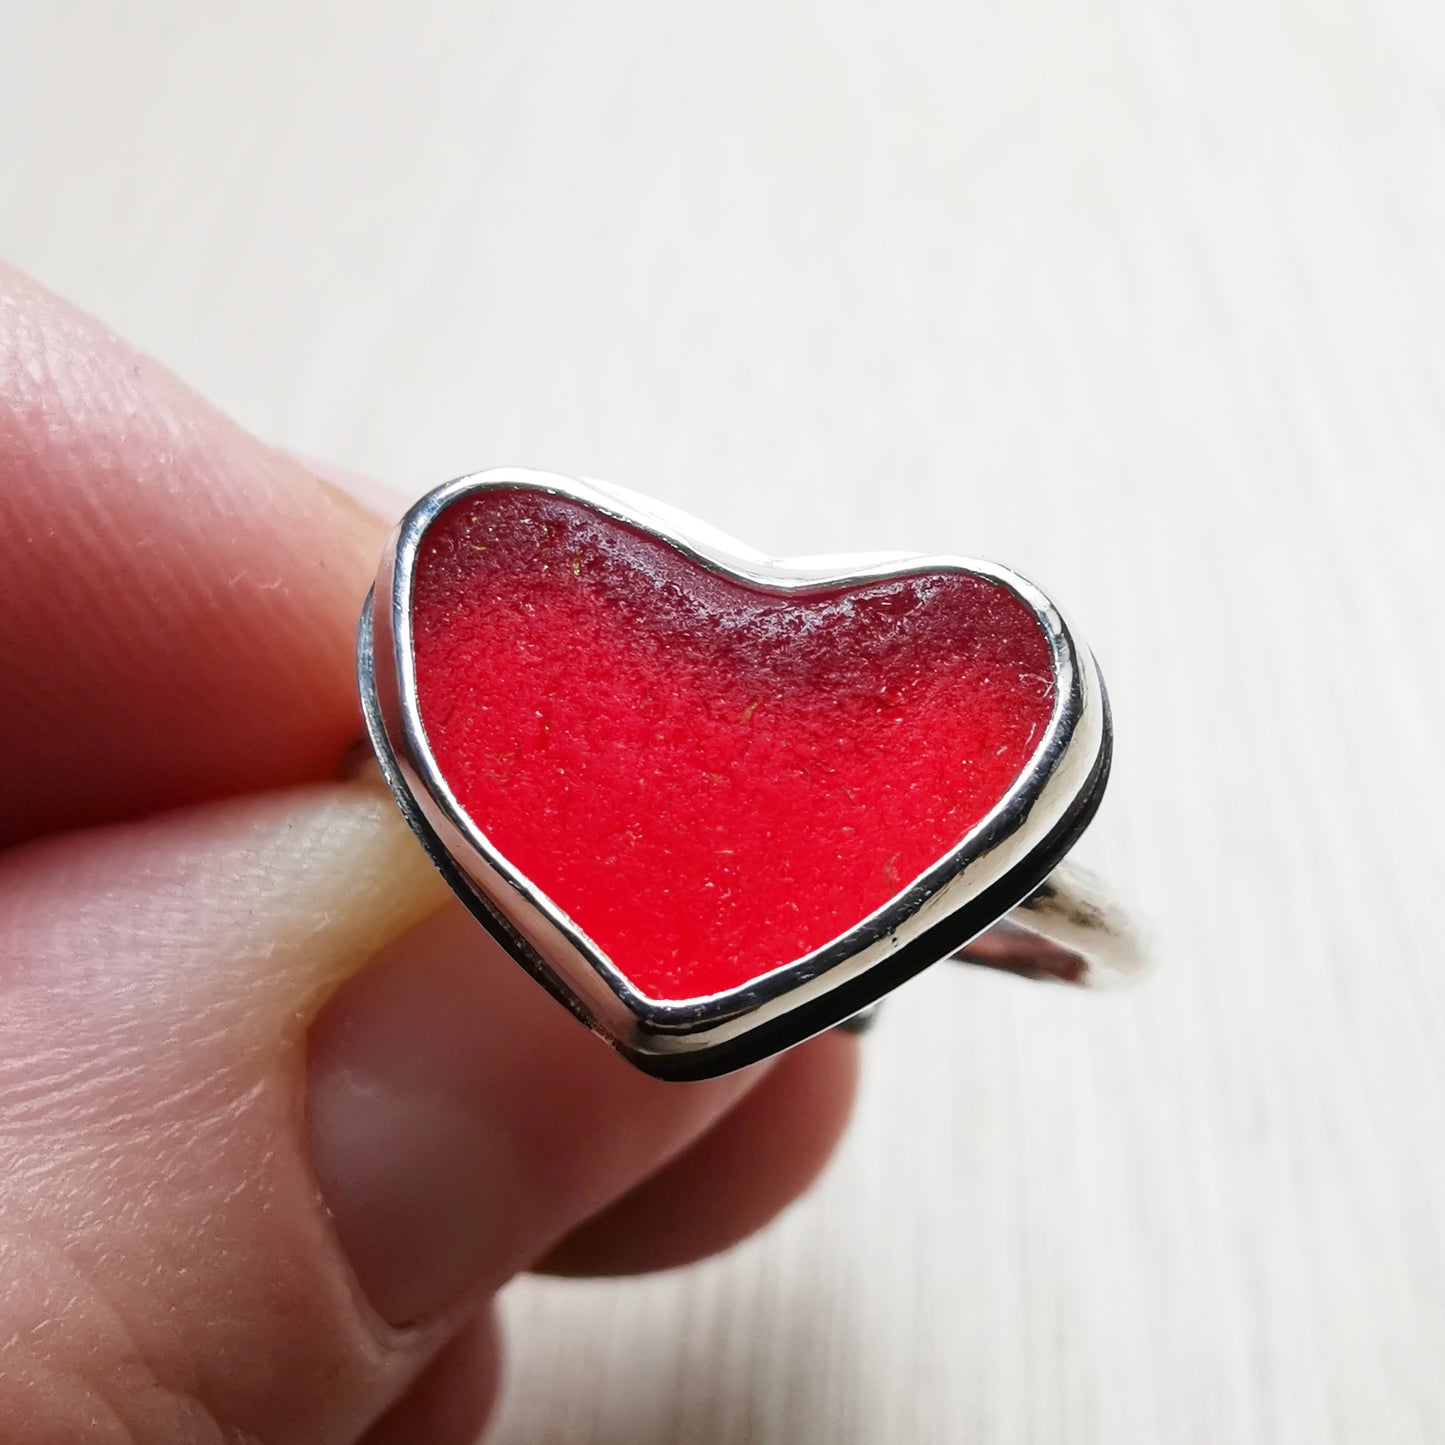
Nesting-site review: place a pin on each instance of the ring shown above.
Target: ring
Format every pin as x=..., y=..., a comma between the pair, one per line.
x=716, y=802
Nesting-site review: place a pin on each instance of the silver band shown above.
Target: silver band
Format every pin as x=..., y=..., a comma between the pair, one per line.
x=1069, y=930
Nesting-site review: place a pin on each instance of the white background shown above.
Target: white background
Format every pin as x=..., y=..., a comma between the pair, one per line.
x=1144, y=297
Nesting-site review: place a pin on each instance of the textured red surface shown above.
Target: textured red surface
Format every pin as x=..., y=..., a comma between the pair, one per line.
x=709, y=778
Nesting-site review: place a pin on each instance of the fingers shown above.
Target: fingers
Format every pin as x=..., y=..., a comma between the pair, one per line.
x=450, y=1403
x=174, y=1227
x=179, y=600
x=754, y=1162
x=445, y=1086
x=166, y=1257
x=208, y=1225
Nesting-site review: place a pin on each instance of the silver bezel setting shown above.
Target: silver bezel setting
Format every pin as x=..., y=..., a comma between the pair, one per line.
x=998, y=865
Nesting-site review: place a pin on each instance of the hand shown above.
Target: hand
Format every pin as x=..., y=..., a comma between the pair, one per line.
x=276, y=1118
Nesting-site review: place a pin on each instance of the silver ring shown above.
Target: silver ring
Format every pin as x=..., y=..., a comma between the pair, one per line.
x=462, y=736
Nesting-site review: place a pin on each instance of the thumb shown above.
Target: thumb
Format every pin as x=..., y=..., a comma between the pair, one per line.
x=200, y=1238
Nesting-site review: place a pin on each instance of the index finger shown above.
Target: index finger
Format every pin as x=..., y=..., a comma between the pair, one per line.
x=179, y=599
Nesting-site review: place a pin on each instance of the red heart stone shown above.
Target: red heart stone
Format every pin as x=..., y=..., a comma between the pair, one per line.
x=711, y=777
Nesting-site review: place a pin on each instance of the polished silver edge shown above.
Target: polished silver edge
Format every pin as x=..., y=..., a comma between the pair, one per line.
x=1066, y=763
x=1070, y=929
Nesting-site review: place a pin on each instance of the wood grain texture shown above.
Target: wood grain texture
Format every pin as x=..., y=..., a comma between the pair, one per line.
x=1145, y=299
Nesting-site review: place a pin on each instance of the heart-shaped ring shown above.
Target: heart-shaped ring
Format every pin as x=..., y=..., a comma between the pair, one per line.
x=716, y=802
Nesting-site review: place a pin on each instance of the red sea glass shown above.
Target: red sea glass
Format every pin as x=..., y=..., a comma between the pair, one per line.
x=710, y=778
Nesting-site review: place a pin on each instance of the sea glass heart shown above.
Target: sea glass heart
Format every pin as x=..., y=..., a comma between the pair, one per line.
x=710, y=776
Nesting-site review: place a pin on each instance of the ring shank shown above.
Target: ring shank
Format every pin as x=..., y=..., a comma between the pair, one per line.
x=1069, y=930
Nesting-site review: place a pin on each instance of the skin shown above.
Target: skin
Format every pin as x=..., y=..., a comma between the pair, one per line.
x=276, y=1120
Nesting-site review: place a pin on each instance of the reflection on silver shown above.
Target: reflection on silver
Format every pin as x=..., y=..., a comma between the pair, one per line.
x=1004, y=863
x=1069, y=930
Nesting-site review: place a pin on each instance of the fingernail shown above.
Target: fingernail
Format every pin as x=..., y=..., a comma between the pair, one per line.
x=460, y=1122
x=354, y=937
x=412, y=1162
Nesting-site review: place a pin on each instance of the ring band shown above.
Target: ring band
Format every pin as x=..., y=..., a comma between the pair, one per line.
x=574, y=693
x=1069, y=930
